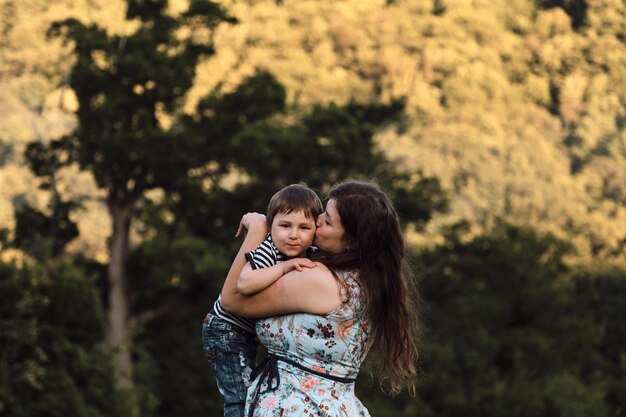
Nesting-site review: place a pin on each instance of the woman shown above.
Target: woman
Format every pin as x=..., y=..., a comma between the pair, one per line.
x=320, y=323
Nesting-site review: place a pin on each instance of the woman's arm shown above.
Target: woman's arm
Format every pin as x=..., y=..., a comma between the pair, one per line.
x=252, y=280
x=255, y=228
x=312, y=290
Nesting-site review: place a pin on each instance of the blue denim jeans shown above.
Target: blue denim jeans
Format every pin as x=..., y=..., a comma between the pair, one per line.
x=231, y=351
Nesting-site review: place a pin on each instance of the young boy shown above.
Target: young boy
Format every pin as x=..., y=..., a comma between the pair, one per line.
x=229, y=341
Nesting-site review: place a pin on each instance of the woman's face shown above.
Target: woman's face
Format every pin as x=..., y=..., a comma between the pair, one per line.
x=329, y=236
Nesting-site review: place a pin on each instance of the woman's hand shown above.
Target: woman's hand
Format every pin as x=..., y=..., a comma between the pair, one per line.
x=297, y=264
x=251, y=220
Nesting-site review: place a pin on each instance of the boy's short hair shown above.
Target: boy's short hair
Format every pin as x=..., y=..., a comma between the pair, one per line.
x=294, y=197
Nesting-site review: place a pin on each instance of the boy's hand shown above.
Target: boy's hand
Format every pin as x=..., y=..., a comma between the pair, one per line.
x=248, y=220
x=297, y=264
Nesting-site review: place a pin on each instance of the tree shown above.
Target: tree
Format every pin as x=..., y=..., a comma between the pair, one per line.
x=124, y=83
x=51, y=359
x=505, y=331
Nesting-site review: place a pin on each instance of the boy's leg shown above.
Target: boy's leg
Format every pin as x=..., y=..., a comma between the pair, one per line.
x=231, y=352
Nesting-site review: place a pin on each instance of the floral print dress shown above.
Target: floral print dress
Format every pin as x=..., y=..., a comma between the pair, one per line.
x=318, y=358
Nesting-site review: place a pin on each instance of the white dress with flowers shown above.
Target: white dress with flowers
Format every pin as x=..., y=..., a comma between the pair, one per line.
x=334, y=344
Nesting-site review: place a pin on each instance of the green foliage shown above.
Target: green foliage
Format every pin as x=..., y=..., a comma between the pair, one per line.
x=174, y=269
x=44, y=236
x=51, y=361
x=505, y=332
x=122, y=83
x=178, y=378
x=604, y=293
x=220, y=116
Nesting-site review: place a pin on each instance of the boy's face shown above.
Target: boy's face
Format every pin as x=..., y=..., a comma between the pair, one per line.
x=292, y=232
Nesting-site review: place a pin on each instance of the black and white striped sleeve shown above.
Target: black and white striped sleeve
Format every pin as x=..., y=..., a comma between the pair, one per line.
x=264, y=256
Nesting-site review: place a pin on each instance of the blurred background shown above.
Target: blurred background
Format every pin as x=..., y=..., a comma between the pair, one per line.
x=134, y=134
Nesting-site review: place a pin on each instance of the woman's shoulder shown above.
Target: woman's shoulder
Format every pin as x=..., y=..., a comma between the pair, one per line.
x=320, y=277
x=344, y=276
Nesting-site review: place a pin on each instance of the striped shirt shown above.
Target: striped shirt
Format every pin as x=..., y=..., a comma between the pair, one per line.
x=244, y=323
x=265, y=255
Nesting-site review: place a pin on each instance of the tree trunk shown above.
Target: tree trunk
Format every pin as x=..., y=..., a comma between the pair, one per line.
x=118, y=335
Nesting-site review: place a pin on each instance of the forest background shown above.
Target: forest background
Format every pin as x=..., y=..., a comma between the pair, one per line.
x=128, y=154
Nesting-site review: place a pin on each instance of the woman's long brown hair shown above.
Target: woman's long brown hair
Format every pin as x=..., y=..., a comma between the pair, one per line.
x=376, y=249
